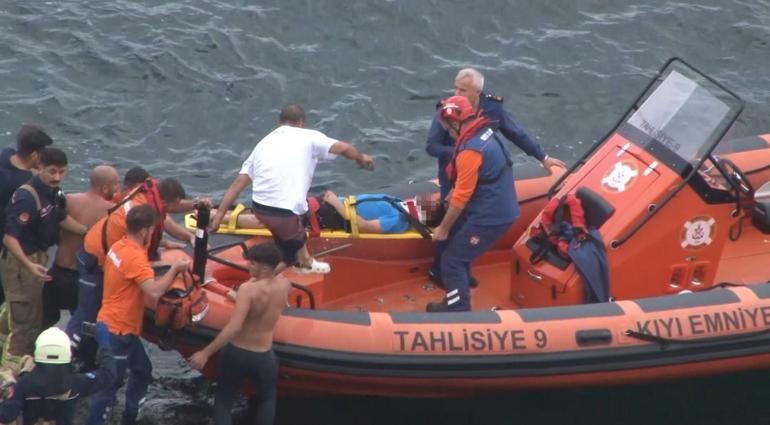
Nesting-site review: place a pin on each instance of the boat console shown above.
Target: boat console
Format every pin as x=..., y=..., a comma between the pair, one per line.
x=667, y=205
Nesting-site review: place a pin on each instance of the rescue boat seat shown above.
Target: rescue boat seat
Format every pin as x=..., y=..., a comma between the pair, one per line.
x=596, y=209
x=760, y=214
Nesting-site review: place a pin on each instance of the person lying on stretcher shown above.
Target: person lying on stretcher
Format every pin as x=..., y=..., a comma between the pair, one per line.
x=374, y=213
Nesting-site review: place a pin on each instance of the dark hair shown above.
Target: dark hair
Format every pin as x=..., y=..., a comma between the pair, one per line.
x=134, y=176
x=291, y=113
x=140, y=217
x=31, y=139
x=53, y=156
x=171, y=190
x=328, y=217
x=266, y=253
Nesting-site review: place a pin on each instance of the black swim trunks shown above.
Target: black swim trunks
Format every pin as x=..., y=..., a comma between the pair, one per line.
x=61, y=293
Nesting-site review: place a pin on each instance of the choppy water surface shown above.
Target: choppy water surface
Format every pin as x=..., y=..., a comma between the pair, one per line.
x=186, y=88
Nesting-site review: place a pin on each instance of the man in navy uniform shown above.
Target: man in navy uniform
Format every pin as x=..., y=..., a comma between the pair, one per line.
x=36, y=212
x=469, y=83
x=16, y=167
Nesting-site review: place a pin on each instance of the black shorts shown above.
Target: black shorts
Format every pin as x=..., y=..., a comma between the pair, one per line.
x=61, y=293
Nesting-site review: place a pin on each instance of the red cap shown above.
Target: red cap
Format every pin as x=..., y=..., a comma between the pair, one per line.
x=456, y=108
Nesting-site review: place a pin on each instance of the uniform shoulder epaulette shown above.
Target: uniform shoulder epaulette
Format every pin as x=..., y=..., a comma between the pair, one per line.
x=495, y=98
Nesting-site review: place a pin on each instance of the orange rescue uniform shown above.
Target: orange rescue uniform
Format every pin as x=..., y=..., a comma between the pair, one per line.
x=125, y=269
x=116, y=228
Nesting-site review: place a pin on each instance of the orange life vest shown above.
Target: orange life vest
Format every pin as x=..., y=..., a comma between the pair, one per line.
x=562, y=219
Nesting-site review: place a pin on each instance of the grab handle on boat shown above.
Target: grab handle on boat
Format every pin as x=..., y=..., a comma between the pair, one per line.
x=534, y=275
x=307, y=291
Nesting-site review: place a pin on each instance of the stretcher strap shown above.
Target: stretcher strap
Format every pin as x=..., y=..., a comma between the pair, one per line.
x=350, y=212
x=232, y=222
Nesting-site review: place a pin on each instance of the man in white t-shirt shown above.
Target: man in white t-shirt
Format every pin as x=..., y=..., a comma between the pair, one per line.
x=280, y=170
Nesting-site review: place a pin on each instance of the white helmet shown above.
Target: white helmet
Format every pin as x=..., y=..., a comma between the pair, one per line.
x=53, y=346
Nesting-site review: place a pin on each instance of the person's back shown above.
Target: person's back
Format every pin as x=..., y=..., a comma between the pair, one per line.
x=283, y=163
x=247, y=339
x=267, y=299
x=87, y=208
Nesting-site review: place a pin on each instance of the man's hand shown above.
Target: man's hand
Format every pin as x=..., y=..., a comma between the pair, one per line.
x=366, y=161
x=215, y=221
x=181, y=265
x=202, y=202
x=198, y=360
x=550, y=161
x=440, y=233
x=39, y=271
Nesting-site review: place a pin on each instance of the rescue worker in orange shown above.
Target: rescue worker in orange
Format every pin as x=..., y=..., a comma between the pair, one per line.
x=482, y=204
x=469, y=83
x=128, y=277
x=162, y=197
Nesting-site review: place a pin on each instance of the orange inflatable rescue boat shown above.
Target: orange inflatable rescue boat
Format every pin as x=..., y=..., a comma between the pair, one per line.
x=678, y=214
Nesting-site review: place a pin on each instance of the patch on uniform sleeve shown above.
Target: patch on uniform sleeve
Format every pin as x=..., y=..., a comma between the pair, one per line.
x=495, y=98
x=474, y=240
x=90, y=375
x=24, y=217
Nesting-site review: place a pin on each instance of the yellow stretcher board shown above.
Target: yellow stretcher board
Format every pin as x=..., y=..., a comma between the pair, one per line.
x=231, y=228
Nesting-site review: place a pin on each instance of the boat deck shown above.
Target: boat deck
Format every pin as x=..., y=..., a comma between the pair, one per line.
x=412, y=295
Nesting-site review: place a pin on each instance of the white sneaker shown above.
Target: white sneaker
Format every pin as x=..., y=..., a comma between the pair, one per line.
x=315, y=267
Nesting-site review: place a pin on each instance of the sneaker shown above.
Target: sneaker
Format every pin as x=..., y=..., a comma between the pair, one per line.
x=437, y=307
x=433, y=277
x=315, y=267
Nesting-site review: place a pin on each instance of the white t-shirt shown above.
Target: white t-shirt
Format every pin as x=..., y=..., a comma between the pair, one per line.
x=282, y=164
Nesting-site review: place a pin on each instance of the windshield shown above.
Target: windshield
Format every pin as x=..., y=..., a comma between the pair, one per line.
x=682, y=116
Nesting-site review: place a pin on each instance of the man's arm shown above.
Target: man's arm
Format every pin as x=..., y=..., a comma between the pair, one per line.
x=177, y=230
x=240, y=183
x=514, y=132
x=364, y=225
x=468, y=164
x=157, y=287
x=350, y=152
x=436, y=144
x=242, y=304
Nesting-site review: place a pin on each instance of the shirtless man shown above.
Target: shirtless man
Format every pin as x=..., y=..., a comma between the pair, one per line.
x=86, y=208
x=258, y=305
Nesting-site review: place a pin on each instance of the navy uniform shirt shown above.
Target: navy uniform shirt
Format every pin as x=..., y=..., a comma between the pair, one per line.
x=441, y=146
x=10, y=180
x=35, y=230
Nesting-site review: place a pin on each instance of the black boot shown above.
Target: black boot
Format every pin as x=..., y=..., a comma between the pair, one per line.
x=437, y=307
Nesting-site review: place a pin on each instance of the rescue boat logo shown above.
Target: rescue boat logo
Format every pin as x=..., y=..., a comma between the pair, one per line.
x=697, y=233
x=620, y=177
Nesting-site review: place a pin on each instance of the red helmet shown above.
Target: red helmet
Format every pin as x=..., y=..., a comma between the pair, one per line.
x=456, y=108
